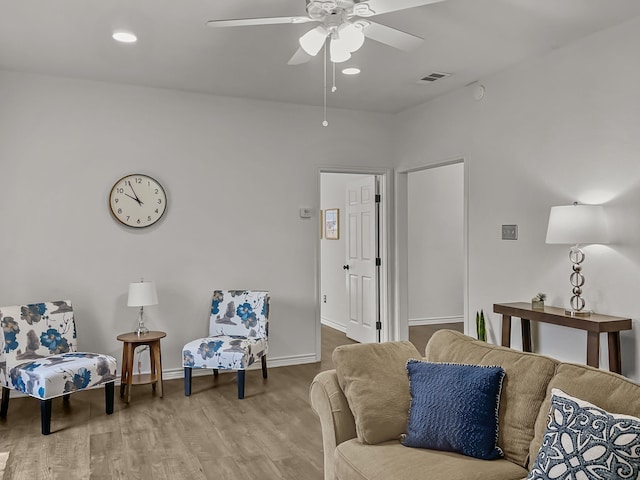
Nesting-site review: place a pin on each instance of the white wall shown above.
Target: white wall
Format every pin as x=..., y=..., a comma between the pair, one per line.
x=554, y=130
x=435, y=245
x=236, y=173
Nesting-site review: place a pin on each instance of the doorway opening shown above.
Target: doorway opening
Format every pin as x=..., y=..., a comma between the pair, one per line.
x=431, y=250
x=358, y=199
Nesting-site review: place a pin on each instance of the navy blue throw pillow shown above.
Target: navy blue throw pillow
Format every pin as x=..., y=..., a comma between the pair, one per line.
x=454, y=408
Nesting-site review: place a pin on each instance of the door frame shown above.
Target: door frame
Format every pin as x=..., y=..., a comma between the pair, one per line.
x=386, y=247
x=401, y=300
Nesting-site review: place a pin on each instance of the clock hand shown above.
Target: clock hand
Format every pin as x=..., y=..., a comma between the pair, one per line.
x=134, y=198
x=136, y=195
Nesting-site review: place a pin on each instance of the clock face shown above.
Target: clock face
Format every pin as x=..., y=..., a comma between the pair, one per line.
x=137, y=200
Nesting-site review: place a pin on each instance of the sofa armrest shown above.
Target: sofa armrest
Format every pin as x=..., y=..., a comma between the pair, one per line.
x=336, y=420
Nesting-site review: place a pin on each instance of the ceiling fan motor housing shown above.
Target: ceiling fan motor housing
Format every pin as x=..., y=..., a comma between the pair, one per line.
x=318, y=9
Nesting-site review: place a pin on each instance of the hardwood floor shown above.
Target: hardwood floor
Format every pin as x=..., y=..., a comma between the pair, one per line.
x=271, y=434
x=419, y=335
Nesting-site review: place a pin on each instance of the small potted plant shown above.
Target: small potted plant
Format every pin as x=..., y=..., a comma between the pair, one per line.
x=537, y=302
x=480, y=326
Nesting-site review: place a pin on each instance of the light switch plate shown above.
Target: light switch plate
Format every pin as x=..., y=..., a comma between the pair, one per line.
x=306, y=212
x=509, y=232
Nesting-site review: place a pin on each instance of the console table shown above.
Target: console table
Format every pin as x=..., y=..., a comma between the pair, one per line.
x=595, y=324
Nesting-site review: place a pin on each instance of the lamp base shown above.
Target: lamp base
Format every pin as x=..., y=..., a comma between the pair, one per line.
x=578, y=313
x=142, y=330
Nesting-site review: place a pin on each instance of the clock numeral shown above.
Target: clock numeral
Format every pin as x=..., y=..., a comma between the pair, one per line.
x=156, y=190
x=120, y=190
x=149, y=218
x=138, y=180
x=138, y=222
x=116, y=200
x=128, y=217
x=159, y=201
x=157, y=210
x=119, y=211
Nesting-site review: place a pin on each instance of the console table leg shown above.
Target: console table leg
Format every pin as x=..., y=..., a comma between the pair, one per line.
x=506, y=330
x=615, y=357
x=526, y=335
x=593, y=349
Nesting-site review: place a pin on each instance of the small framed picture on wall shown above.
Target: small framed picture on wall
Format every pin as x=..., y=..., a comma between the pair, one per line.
x=321, y=223
x=332, y=224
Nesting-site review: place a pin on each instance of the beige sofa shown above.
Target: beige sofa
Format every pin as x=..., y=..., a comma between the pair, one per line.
x=361, y=402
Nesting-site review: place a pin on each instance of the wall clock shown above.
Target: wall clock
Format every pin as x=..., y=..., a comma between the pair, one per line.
x=137, y=200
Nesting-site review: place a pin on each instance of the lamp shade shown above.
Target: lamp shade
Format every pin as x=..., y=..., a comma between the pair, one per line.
x=142, y=294
x=577, y=224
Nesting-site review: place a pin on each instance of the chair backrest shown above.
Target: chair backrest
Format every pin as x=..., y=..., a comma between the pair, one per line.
x=243, y=313
x=35, y=331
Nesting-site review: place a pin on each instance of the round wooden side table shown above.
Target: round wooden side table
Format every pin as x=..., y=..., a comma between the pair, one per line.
x=127, y=378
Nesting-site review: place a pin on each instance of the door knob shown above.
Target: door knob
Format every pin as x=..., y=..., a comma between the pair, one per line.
x=345, y=267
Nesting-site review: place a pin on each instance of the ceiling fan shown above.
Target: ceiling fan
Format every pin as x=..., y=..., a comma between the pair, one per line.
x=345, y=22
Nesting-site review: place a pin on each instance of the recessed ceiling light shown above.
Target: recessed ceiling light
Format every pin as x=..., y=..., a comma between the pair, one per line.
x=124, y=37
x=351, y=71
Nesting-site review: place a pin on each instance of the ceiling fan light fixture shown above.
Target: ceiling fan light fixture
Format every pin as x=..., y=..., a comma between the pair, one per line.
x=351, y=36
x=351, y=71
x=312, y=41
x=339, y=50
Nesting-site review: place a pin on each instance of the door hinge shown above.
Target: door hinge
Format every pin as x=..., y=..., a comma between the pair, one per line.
x=378, y=325
x=378, y=262
x=378, y=198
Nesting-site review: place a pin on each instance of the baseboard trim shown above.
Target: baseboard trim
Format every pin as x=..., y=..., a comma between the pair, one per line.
x=414, y=322
x=175, y=373
x=330, y=323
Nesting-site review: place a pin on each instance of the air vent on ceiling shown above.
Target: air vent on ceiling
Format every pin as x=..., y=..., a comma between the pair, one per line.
x=432, y=77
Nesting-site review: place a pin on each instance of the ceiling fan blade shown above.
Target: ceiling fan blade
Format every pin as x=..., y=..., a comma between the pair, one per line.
x=391, y=36
x=244, y=22
x=299, y=57
x=378, y=7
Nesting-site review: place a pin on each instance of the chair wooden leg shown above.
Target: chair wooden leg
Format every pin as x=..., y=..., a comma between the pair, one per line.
x=5, y=402
x=215, y=373
x=66, y=397
x=45, y=414
x=264, y=366
x=240, y=384
x=187, y=381
x=109, y=390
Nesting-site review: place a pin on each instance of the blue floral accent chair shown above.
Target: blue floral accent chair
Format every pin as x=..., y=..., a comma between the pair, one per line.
x=238, y=336
x=39, y=357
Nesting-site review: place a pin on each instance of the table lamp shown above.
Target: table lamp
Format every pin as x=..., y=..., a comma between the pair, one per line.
x=575, y=225
x=142, y=294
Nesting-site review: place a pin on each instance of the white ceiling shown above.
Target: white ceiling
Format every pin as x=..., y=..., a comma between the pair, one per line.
x=467, y=38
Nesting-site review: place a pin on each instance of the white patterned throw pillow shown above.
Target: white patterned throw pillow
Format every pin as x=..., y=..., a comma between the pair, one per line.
x=584, y=442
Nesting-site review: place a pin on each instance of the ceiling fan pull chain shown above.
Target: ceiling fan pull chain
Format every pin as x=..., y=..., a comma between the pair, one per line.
x=334, y=88
x=324, y=122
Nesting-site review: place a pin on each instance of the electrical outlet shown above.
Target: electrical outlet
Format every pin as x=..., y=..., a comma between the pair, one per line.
x=509, y=232
x=324, y=299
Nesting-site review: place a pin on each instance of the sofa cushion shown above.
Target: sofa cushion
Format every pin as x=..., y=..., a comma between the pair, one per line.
x=454, y=408
x=374, y=380
x=614, y=393
x=523, y=388
x=391, y=460
x=584, y=441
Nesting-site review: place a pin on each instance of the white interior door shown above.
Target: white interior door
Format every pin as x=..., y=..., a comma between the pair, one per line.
x=360, y=265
